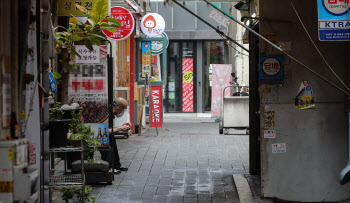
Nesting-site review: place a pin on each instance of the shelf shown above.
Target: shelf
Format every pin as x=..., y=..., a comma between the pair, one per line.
x=66, y=149
x=65, y=180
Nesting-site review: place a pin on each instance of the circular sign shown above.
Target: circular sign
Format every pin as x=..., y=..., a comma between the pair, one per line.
x=188, y=76
x=157, y=46
x=152, y=24
x=271, y=66
x=127, y=24
x=336, y=7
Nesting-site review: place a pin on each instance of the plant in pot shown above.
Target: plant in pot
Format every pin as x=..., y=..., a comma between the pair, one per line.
x=74, y=194
x=58, y=127
x=81, y=132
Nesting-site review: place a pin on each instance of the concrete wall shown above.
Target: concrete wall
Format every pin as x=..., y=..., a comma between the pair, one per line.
x=316, y=139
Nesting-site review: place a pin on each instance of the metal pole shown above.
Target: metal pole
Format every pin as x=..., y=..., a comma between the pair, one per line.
x=217, y=30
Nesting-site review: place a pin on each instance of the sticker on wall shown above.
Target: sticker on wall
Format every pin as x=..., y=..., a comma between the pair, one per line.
x=271, y=69
x=152, y=24
x=279, y=148
x=305, y=97
x=269, y=119
x=269, y=133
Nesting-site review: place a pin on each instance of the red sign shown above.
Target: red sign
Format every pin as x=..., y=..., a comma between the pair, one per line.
x=127, y=24
x=157, y=102
x=187, y=85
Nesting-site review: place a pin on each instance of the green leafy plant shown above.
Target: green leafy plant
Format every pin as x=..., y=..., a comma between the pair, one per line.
x=80, y=131
x=74, y=194
x=57, y=76
x=56, y=113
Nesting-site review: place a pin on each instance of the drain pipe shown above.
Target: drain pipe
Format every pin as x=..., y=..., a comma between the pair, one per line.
x=345, y=173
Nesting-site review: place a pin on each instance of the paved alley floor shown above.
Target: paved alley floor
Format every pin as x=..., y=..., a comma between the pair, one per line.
x=188, y=162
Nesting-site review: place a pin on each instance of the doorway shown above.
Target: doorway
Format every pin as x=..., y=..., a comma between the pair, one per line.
x=180, y=89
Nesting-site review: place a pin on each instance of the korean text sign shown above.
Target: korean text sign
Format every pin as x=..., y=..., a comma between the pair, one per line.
x=333, y=20
x=127, y=24
x=146, y=59
x=271, y=69
x=68, y=8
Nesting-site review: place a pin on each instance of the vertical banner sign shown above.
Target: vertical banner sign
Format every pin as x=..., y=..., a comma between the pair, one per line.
x=157, y=102
x=88, y=87
x=333, y=20
x=187, y=84
x=146, y=59
x=221, y=76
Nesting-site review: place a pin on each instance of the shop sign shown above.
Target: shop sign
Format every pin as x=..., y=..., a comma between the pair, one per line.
x=157, y=46
x=127, y=24
x=269, y=134
x=333, y=20
x=305, y=97
x=87, y=56
x=152, y=24
x=52, y=80
x=279, y=148
x=68, y=8
x=146, y=59
x=187, y=84
x=220, y=18
x=157, y=102
x=271, y=69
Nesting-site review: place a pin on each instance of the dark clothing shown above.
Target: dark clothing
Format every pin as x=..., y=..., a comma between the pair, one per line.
x=108, y=156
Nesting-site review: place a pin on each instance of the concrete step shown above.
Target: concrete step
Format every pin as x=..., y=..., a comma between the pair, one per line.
x=243, y=189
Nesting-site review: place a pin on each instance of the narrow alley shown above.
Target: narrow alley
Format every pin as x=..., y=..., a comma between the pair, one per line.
x=188, y=162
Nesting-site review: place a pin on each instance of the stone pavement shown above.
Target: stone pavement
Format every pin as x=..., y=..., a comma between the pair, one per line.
x=187, y=162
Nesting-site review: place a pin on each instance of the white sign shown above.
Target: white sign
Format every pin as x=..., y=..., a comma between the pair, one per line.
x=269, y=133
x=220, y=18
x=87, y=56
x=172, y=86
x=152, y=24
x=279, y=148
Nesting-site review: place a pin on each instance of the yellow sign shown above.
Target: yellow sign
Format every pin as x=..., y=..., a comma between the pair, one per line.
x=10, y=154
x=68, y=8
x=6, y=187
x=188, y=76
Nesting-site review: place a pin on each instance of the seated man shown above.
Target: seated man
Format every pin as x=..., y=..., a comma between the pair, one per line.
x=119, y=106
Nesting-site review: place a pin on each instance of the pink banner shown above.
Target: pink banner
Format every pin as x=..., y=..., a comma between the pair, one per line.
x=157, y=102
x=221, y=76
x=187, y=84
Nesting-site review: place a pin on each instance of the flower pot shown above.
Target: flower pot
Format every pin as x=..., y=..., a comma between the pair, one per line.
x=58, y=132
x=75, y=140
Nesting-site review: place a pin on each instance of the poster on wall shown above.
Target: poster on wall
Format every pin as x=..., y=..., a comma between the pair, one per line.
x=157, y=102
x=187, y=84
x=305, y=97
x=89, y=88
x=221, y=77
x=271, y=69
x=146, y=59
x=333, y=20
x=156, y=69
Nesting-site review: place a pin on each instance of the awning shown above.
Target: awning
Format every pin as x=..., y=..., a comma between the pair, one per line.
x=129, y=5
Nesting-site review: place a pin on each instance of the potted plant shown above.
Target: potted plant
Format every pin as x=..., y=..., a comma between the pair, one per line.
x=58, y=127
x=74, y=194
x=80, y=131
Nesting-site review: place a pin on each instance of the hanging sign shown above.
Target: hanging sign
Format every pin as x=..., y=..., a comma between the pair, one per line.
x=305, y=97
x=152, y=24
x=52, y=80
x=157, y=102
x=127, y=24
x=187, y=84
x=157, y=46
x=333, y=20
x=146, y=59
x=220, y=18
x=271, y=69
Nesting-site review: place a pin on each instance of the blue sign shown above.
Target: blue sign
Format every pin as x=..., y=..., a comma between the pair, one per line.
x=333, y=20
x=271, y=69
x=53, y=86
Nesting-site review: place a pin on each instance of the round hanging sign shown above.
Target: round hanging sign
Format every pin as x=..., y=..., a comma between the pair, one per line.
x=152, y=24
x=127, y=24
x=157, y=46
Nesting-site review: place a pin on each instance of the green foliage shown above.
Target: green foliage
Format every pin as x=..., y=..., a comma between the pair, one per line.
x=90, y=33
x=80, y=131
x=74, y=194
x=58, y=77
x=56, y=113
